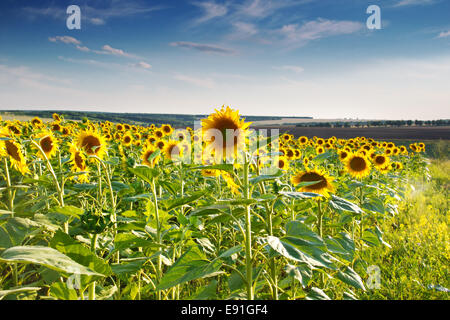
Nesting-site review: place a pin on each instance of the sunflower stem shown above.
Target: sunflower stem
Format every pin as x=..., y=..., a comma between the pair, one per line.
x=55, y=179
x=92, y=285
x=8, y=184
x=248, y=236
x=158, y=236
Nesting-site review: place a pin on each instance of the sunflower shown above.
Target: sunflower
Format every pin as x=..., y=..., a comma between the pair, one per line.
x=290, y=154
x=323, y=185
x=78, y=162
x=56, y=117
x=380, y=161
x=166, y=129
x=65, y=131
x=343, y=154
x=146, y=153
x=283, y=163
x=127, y=139
x=397, y=165
x=160, y=144
x=210, y=173
x=119, y=127
x=159, y=133
x=92, y=143
x=230, y=182
x=12, y=149
x=14, y=129
x=320, y=150
x=305, y=162
x=303, y=140
x=320, y=142
x=48, y=144
x=173, y=150
x=224, y=121
x=357, y=165
x=36, y=122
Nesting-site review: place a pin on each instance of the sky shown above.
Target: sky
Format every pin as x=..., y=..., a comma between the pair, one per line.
x=312, y=58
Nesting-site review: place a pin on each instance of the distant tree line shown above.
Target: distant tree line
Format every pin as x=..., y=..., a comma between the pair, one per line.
x=145, y=119
x=377, y=123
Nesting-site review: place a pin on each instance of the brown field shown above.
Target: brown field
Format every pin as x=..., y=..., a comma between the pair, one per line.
x=377, y=133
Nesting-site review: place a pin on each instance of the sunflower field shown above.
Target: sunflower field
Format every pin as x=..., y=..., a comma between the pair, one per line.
x=95, y=211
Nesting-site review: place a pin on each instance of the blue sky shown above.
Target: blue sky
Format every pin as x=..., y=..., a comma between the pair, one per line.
x=286, y=57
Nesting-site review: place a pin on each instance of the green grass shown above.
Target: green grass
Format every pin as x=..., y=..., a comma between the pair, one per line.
x=418, y=261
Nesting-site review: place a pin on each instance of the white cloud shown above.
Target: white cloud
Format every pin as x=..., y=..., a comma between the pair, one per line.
x=243, y=30
x=65, y=39
x=107, y=49
x=208, y=48
x=265, y=8
x=211, y=10
x=295, y=69
x=444, y=34
x=318, y=29
x=200, y=82
x=142, y=65
x=83, y=48
x=96, y=16
x=404, y=3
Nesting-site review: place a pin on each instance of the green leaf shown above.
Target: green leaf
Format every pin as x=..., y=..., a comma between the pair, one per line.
x=223, y=166
x=300, y=195
x=47, y=257
x=299, y=230
x=174, y=203
x=129, y=241
x=190, y=266
x=79, y=253
x=208, y=210
x=349, y=276
x=60, y=291
x=302, y=273
x=207, y=293
x=230, y=252
x=127, y=269
x=322, y=157
x=317, y=294
x=145, y=173
x=70, y=211
x=289, y=251
x=262, y=178
x=344, y=205
x=14, y=231
x=342, y=245
x=4, y=293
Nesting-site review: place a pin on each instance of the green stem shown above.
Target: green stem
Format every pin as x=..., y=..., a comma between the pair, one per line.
x=248, y=237
x=55, y=180
x=158, y=236
x=92, y=285
x=8, y=184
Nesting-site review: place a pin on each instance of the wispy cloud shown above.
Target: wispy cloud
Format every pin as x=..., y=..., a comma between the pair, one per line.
x=208, y=48
x=265, y=8
x=317, y=29
x=211, y=10
x=106, y=49
x=199, y=82
x=65, y=39
x=444, y=34
x=243, y=30
x=140, y=66
x=404, y=3
x=295, y=69
x=96, y=16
